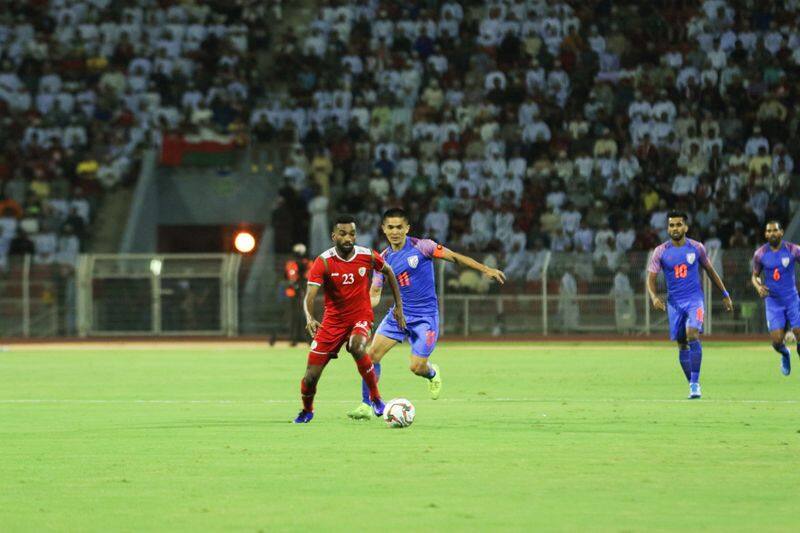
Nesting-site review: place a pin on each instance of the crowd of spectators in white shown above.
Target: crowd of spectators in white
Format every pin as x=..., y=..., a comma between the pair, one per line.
x=512, y=127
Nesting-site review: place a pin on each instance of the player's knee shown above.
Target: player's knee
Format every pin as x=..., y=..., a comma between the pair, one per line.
x=692, y=336
x=357, y=351
x=357, y=347
x=683, y=345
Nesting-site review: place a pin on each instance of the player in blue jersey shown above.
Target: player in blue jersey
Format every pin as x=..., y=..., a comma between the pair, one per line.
x=680, y=259
x=412, y=261
x=776, y=260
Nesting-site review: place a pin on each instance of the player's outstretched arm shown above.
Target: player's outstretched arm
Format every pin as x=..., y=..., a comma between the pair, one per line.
x=375, y=294
x=388, y=274
x=463, y=260
x=726, y=297
x=761, y=289
x=652, y=290
x=308, y=308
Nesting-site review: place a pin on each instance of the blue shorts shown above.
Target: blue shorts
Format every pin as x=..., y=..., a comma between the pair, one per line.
x=780, y=313
x=684, y=315
x=422, y=331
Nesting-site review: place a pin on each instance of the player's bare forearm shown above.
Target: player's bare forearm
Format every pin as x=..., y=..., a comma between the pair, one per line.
x=759, y=286
x=375, y=295
x=388, y=274
x=308, y=301
x=652, y=290
x=469, y=262
x=651, y=286
x=308, y=308
x=715, y=278
x=726, y=298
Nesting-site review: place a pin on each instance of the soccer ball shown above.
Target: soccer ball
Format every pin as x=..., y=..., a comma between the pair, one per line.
x=399, y=413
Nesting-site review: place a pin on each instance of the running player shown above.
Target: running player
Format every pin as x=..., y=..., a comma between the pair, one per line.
x=412, y=260
x=679, y=258
x=777, y=259
x=344, y=272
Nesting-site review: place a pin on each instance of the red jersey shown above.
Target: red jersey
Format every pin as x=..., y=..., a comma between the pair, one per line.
x=346, y=283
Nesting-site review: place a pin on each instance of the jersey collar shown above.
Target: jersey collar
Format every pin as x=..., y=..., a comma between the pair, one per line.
x=343, y=259
x=393, y=251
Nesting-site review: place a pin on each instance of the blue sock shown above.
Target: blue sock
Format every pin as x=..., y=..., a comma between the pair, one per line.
x=685, y=359
x=696, y=357
x=365, y=389
x=781, y=349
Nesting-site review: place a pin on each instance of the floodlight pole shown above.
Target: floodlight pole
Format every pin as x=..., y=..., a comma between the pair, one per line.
x=545, y=267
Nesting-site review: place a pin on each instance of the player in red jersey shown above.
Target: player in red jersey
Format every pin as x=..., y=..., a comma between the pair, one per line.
x=345, y=274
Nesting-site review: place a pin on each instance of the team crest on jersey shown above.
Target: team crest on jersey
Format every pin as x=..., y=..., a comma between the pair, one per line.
x=362, y=271
x=413, y=261
x=690, y=258
x=785, y=261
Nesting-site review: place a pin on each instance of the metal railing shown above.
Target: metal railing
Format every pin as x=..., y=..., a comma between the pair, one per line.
x=145, y=294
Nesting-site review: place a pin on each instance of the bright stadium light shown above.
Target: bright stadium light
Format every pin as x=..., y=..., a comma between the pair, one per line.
x=244, y=242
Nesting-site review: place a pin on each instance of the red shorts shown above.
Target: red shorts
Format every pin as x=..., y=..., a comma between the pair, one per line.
x=331, y=336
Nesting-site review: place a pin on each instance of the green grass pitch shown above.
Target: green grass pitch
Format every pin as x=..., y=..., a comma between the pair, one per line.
x=527, y=437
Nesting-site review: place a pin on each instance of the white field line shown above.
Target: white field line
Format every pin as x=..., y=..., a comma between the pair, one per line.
x=444, y=400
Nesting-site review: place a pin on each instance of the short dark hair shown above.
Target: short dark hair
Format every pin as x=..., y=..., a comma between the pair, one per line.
x=774, y=221
x=344, y=219
x=677, y=214
x=395, y=212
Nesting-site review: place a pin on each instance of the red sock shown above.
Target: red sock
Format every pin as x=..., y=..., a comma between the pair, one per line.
x=307, y=394
x=367, y=372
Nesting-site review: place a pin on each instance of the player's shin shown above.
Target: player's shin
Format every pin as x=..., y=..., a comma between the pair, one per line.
x=367, y=371
x=365, y=388
x=780, y=348
x=786, y=357
x=685, y=358
x=307, y=393
x=696, y=357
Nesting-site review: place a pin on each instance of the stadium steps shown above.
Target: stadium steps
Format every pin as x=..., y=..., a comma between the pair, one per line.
x=109, y=224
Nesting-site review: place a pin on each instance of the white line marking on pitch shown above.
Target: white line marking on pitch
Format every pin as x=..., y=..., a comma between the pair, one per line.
x=445, y=400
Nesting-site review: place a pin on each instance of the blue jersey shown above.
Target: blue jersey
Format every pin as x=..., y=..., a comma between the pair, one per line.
x=778, y=268
x=413, y=267
x=681, y=269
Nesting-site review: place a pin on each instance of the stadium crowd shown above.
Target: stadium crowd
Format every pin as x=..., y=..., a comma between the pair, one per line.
x=87, y=85
x=518, y=126
x=504, y=126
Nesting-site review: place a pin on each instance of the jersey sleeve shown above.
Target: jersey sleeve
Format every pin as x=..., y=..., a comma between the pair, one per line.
x=795, y=251
x=757, y=257
x=430, y=248
x=317, y=272
x=702, y=256
x=654, y=266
